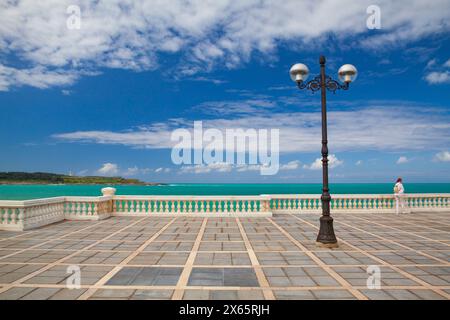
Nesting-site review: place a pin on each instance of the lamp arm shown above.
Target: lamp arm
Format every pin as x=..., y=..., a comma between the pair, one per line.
x=315, y=84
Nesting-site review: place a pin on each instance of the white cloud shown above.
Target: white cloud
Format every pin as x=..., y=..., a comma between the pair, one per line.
x=210, y=80
x=82, y=172
x=131, y=171
x=108, y=169
x=238, y=107
x=206, y=168
x=292, y=165
x=431, y=64
x=112, y=169
x=437, y=77
x=402, y=160
x=156, y=136
x=359, y=162
x=443, y=156
x=162, y=170
x=333, y=162
x=133, y=34
x=38, y=77
x=228, y=167
x=438, y=73
x=405, y=127
x=251, y=167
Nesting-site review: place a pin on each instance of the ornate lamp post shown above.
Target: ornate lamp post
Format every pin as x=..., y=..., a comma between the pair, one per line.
x=347, y=73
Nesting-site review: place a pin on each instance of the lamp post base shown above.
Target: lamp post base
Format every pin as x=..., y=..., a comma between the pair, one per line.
x=326, y=237
x=327, y=245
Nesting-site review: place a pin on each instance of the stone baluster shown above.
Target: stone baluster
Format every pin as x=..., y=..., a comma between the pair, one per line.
x=202, y=206
x=166, y=207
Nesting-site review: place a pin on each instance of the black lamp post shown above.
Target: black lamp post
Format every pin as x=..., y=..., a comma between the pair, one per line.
x=347, y=73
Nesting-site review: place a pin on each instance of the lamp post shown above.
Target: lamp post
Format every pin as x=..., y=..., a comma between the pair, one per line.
x=347, y=73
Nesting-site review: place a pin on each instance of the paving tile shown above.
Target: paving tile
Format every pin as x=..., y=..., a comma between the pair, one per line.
x=113, y=293
x=427, y=294
x=124, y=276
x=196, y=295
x=223, y=295
x=146, y=276
x=67, y=294
x=250, y=295
x=240, y=277
x=206, y=277
x=294, y=295
x=302, y=281
x=400, y=294
x=236, y=277
x=40, y=294
x=152, y=295
x=15, y=293
x=333, y=294
x=377, y=294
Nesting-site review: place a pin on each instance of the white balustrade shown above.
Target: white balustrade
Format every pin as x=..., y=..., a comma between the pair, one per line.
x=87, y=208
x=28, y=214
x=377, y=203
x=192, y=205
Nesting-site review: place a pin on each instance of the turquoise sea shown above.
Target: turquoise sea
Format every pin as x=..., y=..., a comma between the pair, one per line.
x=22, y=192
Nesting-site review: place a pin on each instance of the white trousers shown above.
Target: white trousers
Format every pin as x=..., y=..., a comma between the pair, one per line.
x=399, y=202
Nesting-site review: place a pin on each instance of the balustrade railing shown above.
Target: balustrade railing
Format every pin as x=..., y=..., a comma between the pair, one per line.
x=88, y=207
x=199, y=205
x=28, y=214
x=360, y=202
x=22, y=215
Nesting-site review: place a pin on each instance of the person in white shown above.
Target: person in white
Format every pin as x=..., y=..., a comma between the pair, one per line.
x=399, y=190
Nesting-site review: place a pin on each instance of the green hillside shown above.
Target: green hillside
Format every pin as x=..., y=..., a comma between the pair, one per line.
x=54, y=178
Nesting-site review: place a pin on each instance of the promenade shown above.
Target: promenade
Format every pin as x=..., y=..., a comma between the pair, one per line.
x=145, y=257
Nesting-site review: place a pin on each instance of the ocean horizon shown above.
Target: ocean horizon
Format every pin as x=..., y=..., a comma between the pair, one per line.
x=35, y=191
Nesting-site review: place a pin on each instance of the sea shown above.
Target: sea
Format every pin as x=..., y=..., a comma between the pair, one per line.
x=29, y=191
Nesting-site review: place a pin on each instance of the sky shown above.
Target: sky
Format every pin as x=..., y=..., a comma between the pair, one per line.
x=98, y=89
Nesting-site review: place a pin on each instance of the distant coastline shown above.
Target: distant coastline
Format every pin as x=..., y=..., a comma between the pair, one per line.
x=45, y=178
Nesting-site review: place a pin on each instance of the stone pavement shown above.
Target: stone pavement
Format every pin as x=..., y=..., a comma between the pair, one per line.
x=229, y=258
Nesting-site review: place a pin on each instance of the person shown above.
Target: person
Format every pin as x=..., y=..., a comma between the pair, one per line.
x=399, y=190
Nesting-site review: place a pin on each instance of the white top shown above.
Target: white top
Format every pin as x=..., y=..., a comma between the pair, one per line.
x=400, y=188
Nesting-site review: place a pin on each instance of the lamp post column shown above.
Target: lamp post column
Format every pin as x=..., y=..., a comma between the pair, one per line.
x=326, y=236
x=347, y=73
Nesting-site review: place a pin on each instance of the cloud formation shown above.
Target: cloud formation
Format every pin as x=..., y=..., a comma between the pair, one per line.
x=438, y=73
x=225, y=167
x=206, y=34
x=436, y=77
x=108, y=169
x=402, y=160
x=443, y=156
x=405, y=127
x=333, y=162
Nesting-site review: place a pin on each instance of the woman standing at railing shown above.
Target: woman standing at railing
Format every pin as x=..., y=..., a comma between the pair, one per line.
x=399, y=190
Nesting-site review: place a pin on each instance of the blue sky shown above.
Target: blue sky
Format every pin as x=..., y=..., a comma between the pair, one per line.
x=103, y=99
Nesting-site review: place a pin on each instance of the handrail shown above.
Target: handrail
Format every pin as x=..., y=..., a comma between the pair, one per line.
x=27, y=214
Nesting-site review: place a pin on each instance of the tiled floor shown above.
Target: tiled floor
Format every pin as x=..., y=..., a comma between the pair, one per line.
x=229, y=258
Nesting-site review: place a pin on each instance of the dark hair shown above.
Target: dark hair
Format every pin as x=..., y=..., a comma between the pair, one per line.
x=399, y=180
